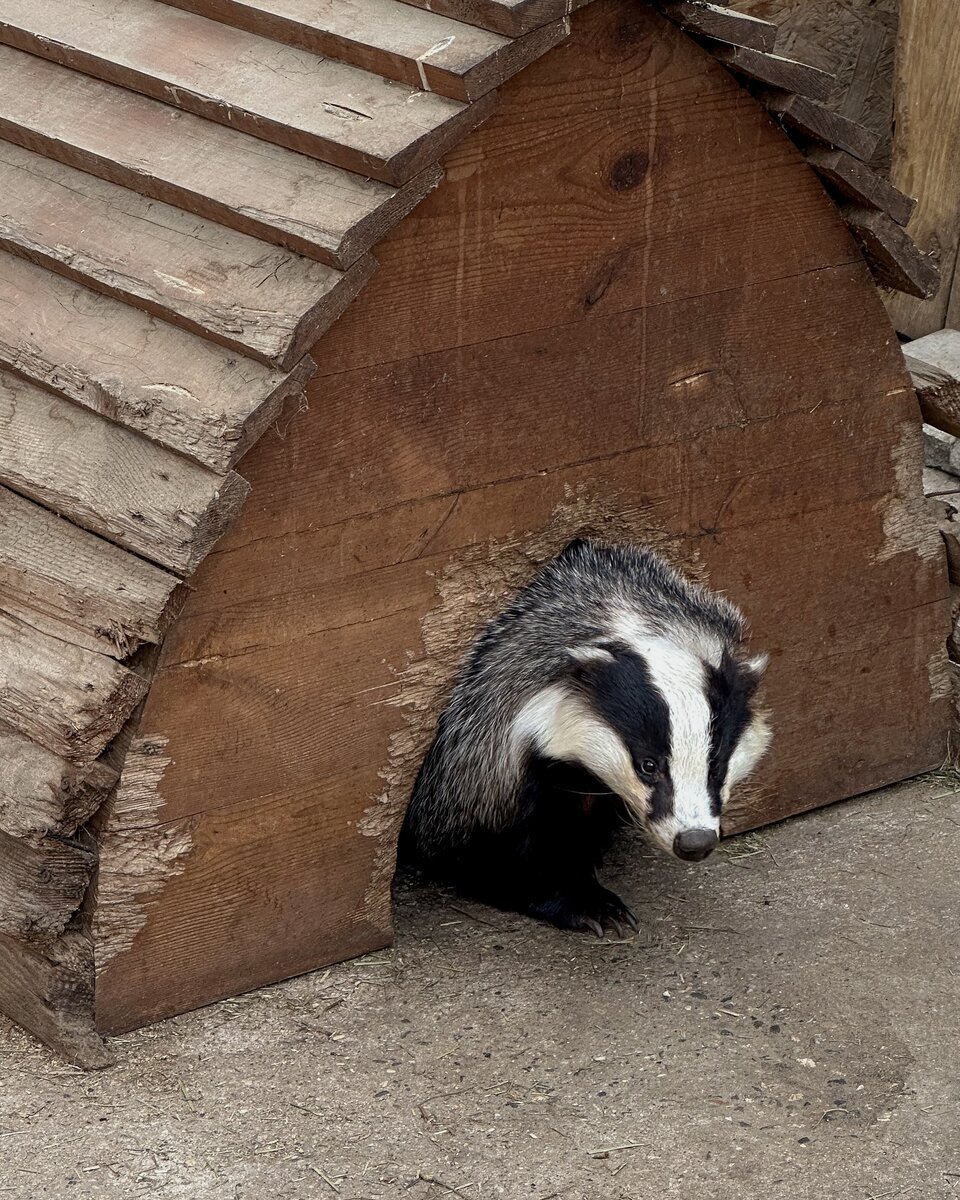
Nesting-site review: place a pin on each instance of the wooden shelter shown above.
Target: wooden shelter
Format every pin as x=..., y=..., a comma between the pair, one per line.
x=609, y=296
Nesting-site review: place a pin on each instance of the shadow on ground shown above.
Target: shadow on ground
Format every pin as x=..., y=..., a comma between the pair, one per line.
x=786, y=1024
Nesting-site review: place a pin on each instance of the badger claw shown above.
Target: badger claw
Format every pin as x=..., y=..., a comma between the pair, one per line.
x=594, y=910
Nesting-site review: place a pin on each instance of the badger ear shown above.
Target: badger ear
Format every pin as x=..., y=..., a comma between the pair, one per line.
x=573, y=547
x=591, y=654
x=754, y=669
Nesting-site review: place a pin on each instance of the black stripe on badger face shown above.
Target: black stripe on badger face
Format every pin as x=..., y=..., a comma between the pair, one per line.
x=730, y=691
x=623, y=693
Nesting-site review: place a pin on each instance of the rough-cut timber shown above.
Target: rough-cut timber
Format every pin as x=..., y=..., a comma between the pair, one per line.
x=934, y=365
x=776, y=71
x=722, y=24
x=552, y=346
x=203, y=167
x=193, y=397
x=513, y=18
x=110, y=480
x=41, y=793
x=851, y=179
x=813, y=120
x=347, y=117
x=262, y=301
x=892, y=255
x=390, y=38
x=66, y=581
x=43, y=883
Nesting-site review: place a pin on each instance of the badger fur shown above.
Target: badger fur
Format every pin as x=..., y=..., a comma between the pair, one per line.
x=610, y=690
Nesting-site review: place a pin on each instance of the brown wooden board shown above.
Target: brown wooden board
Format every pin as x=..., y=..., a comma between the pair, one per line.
x=111, y=481
x=509, y=17
x=188, y=395
x=259, y=300
x=206, y=168
x=58, y=577
x=721, y=23
x=390, y=38
x=776, y=71
x=812, y=120
x=330, y=110
x=853, y=180
x=893, y=257
x=660, y=375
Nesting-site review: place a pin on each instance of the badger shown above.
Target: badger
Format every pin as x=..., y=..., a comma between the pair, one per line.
x=610, y=691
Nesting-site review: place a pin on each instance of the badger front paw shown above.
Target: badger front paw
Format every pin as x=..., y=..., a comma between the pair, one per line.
x=592, y=908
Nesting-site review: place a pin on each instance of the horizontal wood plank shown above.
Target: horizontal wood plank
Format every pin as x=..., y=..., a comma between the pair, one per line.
x=42, y=883
x=413, y=46
x=259, y=300
x=934, y=365
x=55, y=575
x=112, y=481
x=70, y=700
x=776, y=71
x=721, y=24
x=812, y=120
x=220, y=173
x=512, y=18
x=177, y=389
x=853, y=180
x=890, y=252
x=330, y=110
x=41, y=793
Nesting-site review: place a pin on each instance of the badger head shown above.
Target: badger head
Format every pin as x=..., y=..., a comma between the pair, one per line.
x=668, y=724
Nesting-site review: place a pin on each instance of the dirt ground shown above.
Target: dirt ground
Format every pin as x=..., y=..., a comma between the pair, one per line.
x=786, y=1024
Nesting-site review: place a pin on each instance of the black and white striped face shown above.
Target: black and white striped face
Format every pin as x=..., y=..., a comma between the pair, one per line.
x=669, y=728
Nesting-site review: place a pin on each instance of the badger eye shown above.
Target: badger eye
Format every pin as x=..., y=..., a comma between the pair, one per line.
x=649, y=767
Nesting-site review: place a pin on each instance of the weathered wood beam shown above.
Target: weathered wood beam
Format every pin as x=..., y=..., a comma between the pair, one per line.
x=934, y=365
x=265, y=302
x=891, y=253
x=812, y=120
x=56, y=576
x=220, y=173
x=112, y=481
x=854, y=181
x=776, y=71
x=41, y=793
x=721, y=24
x=43, y=882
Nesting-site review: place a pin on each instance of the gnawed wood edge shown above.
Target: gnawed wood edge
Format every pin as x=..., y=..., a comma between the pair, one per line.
x=43, y=882
x=909, y=524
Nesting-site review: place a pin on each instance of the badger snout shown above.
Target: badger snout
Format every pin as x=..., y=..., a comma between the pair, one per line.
x=694, y=845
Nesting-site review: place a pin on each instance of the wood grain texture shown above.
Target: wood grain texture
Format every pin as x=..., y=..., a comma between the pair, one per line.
x=392, y=39
x=722, y=23
x=188, y=395
x=43, y=883
x=346, y=117
x=259, y=300
x=111, y=481
x=934, y=365
x=646, y=381
x=812, y=120
x=776, y=71
x=849, y=178
x=46, y=986
x=893, y=257
x=64, y=580
x=513, y=18
x=41, y=793
x=71, y=700
x=926, y=153
x=219, y=173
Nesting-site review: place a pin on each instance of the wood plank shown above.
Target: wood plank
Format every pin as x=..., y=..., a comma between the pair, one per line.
x=132, y=368
x=389, y=38
x=56, y=576
x=219, y=173
x=70, y=700
x=344, y=116
x=854, y=180
x=112, y=481
x=721, y=24
x=261, y=301
x=813, y=120
x=512, y=18
x=43, y=883
x=776, y=71
x=890, y=252
x=47, y=987
x=934, y=365
x=41, y=793
x=926, y=152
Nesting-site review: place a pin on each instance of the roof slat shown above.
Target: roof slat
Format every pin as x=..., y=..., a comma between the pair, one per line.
x=175, y=388
x=327, y=109
x=512, y=18
x=721, y=24
x=111, y=481
x=259, y=300
x=230, y=177
x=389, y=38
x=776, y=71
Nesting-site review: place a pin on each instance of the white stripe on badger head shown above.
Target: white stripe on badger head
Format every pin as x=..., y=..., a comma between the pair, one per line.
x=561, y=725
x=679, y=675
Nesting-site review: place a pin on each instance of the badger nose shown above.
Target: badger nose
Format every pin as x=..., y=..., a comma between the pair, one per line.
x=694, y=845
